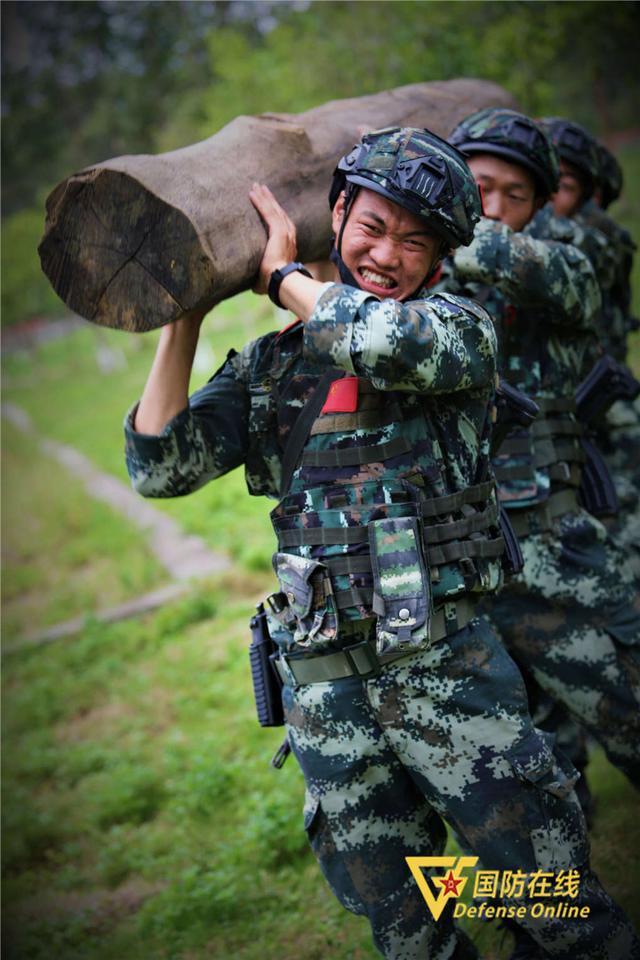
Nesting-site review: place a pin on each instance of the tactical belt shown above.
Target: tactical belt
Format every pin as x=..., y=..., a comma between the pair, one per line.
x=361, y=659
x=539, y=518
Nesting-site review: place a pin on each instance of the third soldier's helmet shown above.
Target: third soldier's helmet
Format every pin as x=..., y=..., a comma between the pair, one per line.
x=609, y=176
x=418, y=171
x=576, y=146
x=512, y=135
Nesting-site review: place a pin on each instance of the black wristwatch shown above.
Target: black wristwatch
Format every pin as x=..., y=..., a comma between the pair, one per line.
x=278, y=276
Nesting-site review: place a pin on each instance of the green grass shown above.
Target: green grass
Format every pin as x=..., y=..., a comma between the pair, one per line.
x=69, y=399
x=63, y=552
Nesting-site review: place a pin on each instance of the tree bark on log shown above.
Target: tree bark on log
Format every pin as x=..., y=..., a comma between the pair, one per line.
x=133, y=242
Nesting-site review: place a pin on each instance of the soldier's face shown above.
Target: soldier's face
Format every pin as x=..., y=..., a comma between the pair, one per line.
x=508, y=190
x=387, y=249
x=570, y=195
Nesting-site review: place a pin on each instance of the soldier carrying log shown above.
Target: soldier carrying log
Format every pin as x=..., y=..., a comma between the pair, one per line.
x=369, y=419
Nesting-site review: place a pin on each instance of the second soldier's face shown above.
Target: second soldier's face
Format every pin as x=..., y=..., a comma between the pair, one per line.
x=388, y=249
x=570, y=195
x=508, y=190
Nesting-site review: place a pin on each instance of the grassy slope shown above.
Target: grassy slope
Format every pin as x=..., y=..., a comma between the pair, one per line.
x=141, y=818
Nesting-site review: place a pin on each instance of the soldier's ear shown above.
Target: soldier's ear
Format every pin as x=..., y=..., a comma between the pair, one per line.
x=539, y=203
x=337, y=213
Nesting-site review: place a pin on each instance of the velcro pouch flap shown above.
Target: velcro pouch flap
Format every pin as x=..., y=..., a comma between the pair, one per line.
x=295, y=578
x=402, y=586
x=307, y=590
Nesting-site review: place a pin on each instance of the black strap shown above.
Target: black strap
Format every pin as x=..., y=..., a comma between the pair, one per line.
x=354, y=456
x=438, y=506
x=300, y=431
x=458, y=529
x=556, y=404
x=554, y=427
x=321, y=536
x=463, y=550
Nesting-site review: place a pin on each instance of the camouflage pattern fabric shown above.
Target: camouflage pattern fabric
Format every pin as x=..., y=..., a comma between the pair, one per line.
x=514, y=136
x=383, y=762
x=610, y=250
x=402, y=582
x=419, y=171
x=444, y=731
x=572, y=618
x=619, y=321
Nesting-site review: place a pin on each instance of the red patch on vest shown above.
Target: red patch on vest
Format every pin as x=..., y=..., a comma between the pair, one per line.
x=342, y=396
x=510, y=314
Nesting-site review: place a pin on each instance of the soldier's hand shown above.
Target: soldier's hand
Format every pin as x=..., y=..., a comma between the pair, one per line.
x=282, y=245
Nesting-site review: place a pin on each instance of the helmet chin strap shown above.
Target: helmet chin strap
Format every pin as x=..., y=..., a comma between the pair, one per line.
x=335, y=256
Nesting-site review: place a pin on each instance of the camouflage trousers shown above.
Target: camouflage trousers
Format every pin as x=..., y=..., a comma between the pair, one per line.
x=443, y=733
x=572, y=619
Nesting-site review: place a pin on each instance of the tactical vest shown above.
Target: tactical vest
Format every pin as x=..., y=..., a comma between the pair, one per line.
x=533, y=463
x=371, y=529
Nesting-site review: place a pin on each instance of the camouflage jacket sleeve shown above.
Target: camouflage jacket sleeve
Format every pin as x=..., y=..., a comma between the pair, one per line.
x=206, y=439
x=546, y=225
x=556, y=277
x=442, y=343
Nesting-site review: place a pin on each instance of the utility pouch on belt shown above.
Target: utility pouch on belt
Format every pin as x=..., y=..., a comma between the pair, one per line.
x=607, y=382
x=308, y=605
x=401, y=585
x=267, y=684
x=597, y=490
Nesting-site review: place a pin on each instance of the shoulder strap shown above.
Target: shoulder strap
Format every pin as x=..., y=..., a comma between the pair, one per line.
x=302, y=427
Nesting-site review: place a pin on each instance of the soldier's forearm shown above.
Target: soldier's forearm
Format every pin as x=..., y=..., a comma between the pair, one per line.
x=300, y=294
x=166, y=390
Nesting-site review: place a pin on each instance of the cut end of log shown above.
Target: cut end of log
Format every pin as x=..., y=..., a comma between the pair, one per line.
x=119, y=256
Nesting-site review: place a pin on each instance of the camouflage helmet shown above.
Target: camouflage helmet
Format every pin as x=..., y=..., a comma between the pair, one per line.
x=576, y=146
x=609, y=176
x=506, y=133
x=421, y=173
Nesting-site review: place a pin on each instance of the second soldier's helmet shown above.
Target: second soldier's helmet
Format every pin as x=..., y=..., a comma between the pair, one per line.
x=512, y=135
x=420, y=172
x=609, y=176
x=576, y=146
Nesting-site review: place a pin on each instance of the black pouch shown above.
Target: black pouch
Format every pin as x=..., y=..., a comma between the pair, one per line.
x=401, y=583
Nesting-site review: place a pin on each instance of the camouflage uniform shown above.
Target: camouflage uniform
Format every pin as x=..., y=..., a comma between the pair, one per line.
x=619, y=435
x=442, y=729
x=546, y=225
x=572, y=617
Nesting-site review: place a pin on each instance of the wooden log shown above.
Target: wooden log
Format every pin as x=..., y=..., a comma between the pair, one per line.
x=133, y=242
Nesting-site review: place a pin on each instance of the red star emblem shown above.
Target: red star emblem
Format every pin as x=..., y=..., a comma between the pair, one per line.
x=450, y=884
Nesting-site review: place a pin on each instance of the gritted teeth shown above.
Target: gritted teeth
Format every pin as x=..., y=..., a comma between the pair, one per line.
x=377, y=278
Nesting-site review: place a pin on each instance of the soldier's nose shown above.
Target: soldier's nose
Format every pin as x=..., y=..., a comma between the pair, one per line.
x=385, y=253
x=493, y=206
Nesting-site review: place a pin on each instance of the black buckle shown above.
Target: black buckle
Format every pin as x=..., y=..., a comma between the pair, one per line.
x=361, y=655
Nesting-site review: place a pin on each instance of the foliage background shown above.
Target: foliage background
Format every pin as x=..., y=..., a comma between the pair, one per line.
x=140, y=817
x=84, y=81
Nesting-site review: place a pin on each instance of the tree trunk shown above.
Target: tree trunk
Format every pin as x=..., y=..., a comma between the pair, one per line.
x=133, y=242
